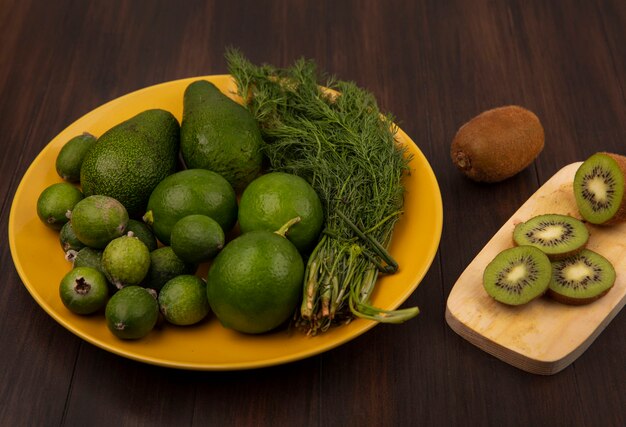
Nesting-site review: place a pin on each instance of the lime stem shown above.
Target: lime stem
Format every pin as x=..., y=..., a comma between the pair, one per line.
x=148, y=218
x=283, y=230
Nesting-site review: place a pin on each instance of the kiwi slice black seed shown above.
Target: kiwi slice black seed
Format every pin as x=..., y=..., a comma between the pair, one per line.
x=599, y=188
x=581, y=278
x=558, y=236
x=517, y=275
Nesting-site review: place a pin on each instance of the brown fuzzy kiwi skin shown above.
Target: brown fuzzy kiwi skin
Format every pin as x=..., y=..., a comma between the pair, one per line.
x=575, y=301
x=620, y=215
x=558, y=257
x=497, y=143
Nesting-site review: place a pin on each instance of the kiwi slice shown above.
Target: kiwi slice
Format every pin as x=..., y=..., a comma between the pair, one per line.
x=558, y=236
x=581, y=278
x=517, y=275
x=599, y=188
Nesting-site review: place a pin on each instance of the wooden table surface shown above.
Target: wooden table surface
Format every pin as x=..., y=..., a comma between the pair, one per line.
x=434, y=65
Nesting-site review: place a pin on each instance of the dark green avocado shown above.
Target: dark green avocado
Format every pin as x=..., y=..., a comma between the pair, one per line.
x=131, y=158
x=220, y=135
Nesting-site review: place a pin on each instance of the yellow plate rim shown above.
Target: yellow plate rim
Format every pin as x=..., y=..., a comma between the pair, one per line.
x=327, y=340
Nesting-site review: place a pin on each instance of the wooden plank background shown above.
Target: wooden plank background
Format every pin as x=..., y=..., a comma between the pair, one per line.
x=433, y=64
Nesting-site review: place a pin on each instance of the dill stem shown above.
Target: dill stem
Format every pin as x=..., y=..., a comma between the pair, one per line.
x=349, y=278
x=392, y=265
x=337, y=296
x=325, y=297
x=306, y=309
x=338, y=140
x=367, y=284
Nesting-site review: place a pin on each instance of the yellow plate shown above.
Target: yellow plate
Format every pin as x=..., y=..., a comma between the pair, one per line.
x=39, y=259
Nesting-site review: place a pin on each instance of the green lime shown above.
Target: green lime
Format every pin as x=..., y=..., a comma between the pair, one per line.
x=55, y=202
x=165, y=265
x=273, y=199
x=68, y=239
x=99, y=219
x=126, y=261
x=192, y=191
x=70, y=158
x=143, y=232
x=84, y=290
x=254, y=283
x=197, y=238
x=183, y=300
x=132, y=313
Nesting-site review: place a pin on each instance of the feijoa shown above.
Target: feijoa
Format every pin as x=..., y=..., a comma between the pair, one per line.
x=55, y=203
x=84, y=290
x=132, y=313
x=99, y=219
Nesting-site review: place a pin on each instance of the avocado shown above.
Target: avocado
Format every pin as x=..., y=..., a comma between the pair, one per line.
x=131, y=158
x=220, y=135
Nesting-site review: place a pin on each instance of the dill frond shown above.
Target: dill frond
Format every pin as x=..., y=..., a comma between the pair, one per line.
x=336, y=138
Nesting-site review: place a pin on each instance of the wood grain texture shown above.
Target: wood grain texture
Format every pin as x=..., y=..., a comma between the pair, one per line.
x=434, y=65
x=544, y=336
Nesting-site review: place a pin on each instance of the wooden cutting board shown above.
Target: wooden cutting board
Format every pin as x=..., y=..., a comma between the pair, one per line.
x=544, y=336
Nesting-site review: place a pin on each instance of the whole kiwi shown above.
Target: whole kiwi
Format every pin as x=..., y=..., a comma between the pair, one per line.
x=497, y=143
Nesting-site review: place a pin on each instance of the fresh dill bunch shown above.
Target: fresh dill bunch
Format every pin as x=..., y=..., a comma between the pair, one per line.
x=338, y=140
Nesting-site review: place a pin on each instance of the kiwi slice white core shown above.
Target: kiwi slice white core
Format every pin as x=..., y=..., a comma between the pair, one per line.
x=598, y=189
x=516, y=274
x=578, y=274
